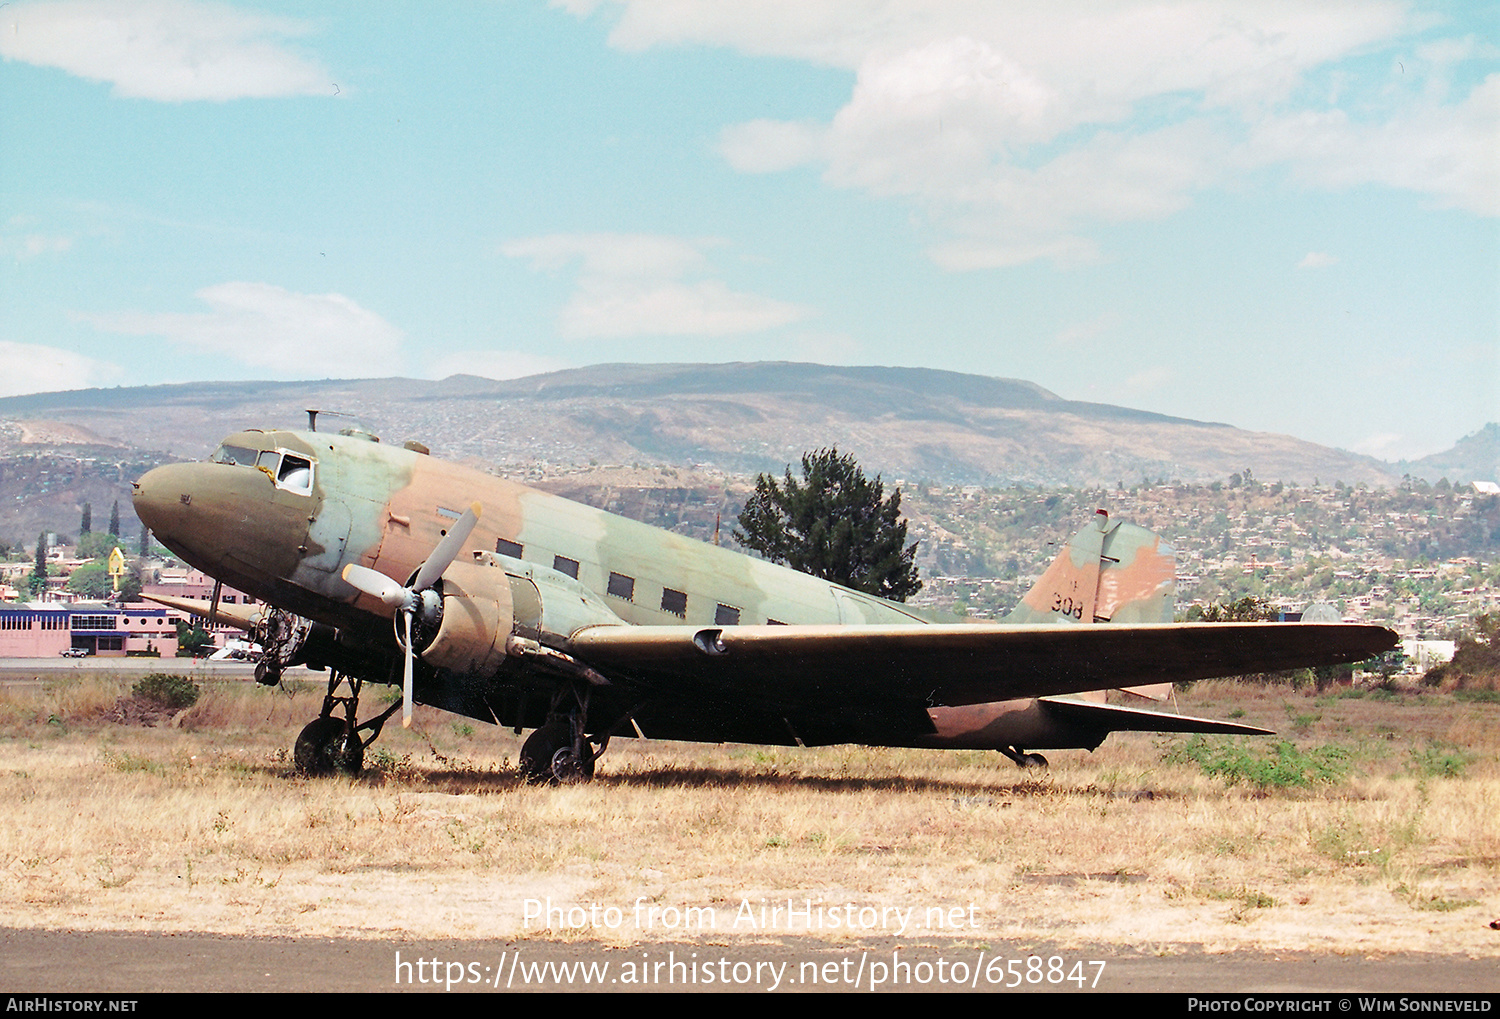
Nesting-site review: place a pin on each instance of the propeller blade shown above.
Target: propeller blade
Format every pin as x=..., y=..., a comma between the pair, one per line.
x=447, y=550
x=406, y=680
x=377, y=585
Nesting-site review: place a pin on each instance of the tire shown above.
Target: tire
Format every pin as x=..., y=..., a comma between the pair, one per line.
x=567, y=768
x=323, y=748
x=547, y=756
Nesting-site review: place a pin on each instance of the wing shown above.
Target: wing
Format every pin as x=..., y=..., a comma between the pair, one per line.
x=958, y=663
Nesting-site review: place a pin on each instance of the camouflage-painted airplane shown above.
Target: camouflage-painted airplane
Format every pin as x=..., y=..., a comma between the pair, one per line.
x=486, y=598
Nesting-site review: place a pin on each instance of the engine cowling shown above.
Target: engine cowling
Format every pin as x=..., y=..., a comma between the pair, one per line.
x=478, y=614
x=486, y=600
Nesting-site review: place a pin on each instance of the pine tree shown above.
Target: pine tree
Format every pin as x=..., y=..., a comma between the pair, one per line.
x=835, y=524
x=114, y=519
x=145, y=545
x=39, y=571
x=87, y=523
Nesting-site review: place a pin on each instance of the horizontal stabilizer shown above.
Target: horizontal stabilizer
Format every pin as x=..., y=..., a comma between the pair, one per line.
x=244, y=617
x=1113, y=718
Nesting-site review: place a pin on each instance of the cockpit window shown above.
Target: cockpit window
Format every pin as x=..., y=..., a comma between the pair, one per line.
x=291, y=472
x=227, y=454
x=295, y=474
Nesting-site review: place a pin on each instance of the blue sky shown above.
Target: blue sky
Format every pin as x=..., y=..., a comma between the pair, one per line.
x=1278, y=215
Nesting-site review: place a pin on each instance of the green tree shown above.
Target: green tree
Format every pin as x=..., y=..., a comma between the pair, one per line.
x=144, y=548
x=91, y=580
x=114, y=519
x=192, y=640
x=38, y=581
x=835, y=523
x=94, y=546
x=86, y=524
x=1248, y=609
x=130, y=586
x=1476, y=658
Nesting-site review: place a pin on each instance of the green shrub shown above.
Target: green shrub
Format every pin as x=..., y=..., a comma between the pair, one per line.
x=175, y=692
x=1280, y=766
x=1435, y=761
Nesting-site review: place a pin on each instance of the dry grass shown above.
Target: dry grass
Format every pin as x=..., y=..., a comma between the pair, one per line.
x=204, y=826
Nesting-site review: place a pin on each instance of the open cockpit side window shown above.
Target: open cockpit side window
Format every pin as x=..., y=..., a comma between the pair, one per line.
x=290, y=471
x=295, y=474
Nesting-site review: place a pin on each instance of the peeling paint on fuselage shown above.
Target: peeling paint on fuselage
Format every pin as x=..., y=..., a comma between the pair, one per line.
x=386, y=508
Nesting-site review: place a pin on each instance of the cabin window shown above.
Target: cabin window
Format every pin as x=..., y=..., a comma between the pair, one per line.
x=774, y=622
x=621, y=586
x=562, y=564
x=507, y=547
x=726, y=615
x=674, y=602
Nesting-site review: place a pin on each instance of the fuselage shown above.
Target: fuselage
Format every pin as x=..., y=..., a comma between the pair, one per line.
x=279, y=514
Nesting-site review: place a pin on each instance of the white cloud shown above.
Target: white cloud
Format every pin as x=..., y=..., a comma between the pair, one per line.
x=1381, y=445
x=32, y=368
x=169, y=50
x=642, y=285
x=281, y=333
x=1019, y=127
x=1150, y=380
x=42, y=244
x=1443, y=150
x=34, y=245
x=1317, y=260
x=1082, y=334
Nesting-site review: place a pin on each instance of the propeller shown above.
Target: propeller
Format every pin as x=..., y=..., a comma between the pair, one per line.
x=420, y=597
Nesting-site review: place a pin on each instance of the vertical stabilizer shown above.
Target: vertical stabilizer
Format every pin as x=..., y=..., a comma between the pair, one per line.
x=1068, y=591
x=1109, y=573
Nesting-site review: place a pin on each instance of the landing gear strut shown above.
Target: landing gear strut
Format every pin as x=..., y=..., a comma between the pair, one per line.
x=329, y=745
x=561, y=751
x=1023, y=759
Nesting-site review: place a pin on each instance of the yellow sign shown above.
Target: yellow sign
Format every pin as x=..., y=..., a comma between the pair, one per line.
x=116, y=566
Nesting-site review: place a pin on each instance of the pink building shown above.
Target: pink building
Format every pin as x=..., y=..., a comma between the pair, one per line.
x=47, y=629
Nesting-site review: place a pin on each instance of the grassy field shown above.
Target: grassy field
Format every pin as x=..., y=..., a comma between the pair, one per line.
x=1370, y=824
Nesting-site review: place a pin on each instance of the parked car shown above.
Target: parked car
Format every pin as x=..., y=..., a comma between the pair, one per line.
x=74, y=652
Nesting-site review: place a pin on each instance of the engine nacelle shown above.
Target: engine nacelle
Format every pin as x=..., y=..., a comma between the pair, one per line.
x=478, y=615
x=488, y=599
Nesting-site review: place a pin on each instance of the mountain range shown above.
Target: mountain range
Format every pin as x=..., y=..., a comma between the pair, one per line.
x=905, y=423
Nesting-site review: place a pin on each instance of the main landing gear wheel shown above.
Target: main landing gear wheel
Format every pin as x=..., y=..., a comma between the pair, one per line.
x=329, y=745
x=548, y=756
x=326, y=747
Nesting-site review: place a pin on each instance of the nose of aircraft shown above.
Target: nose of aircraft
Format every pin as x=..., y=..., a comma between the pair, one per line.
x=155, y=495
x=223, y=516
